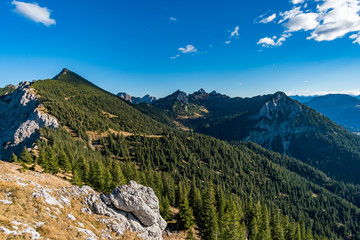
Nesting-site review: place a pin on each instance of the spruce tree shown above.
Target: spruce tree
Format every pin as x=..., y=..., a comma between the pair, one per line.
x=186, y=217
x=64, y=162
x=165, y=208
x=14, y=158
x=209, y=222
x=264, y=227
x=230, y=226
x=195, y=198
x=118, y=178
x=76, y=179
x=25, y=156
x=52, y=160
x=277, y=231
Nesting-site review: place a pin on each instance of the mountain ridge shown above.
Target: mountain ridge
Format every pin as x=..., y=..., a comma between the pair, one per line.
x=170, y=162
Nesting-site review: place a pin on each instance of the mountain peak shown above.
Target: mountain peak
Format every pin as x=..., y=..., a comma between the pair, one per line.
x=63, y=72
x=280, y=94
x=200, y=91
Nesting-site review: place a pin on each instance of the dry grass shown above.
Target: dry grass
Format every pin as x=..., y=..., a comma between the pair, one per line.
x=29, y=210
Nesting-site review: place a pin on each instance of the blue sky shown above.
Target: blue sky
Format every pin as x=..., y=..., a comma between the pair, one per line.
x=240, y=48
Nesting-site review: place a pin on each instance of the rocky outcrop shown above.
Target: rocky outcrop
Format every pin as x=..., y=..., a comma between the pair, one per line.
x=277, y=120
x=130, y=207
x=137, y=100
x=130, y=210
x=20, y=119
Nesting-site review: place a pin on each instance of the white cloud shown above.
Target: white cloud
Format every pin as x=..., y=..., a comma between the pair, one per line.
x=272, y=42
x=329, y=20
x=297, y=1
x=173, y=19
x=353, y=92
x=34, y=12
x=235, y=33
x=338, y=18
x=188, y=49
x=266, y=42
x=268, y=19
x=175, y=57
x=290, y=14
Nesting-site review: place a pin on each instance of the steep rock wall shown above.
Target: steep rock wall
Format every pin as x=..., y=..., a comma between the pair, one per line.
x=20, y=120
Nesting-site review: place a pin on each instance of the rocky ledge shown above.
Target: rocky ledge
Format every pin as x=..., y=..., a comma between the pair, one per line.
x=130, y=207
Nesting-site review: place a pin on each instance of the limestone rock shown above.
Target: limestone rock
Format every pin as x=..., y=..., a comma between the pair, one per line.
x=131, y=207
x=20, y=119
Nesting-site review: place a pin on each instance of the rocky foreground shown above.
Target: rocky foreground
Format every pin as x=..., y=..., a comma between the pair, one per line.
x=34, y=205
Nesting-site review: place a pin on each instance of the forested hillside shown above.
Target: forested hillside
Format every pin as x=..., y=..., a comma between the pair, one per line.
x=220, y=188
x=274, y=121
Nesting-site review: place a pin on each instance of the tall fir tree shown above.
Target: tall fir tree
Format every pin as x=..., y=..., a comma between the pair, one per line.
x=209, y=222
x=186, y=216
x=25, y=156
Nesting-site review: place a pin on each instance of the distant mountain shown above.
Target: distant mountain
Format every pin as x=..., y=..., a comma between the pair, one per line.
x=182, y=105
x=101, y=141
x=276, y=122
x=137, y=100
x=303, y=99
x=7, y=89
x=342, y=109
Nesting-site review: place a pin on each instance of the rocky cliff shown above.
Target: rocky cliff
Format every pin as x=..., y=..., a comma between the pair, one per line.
x=20, y=119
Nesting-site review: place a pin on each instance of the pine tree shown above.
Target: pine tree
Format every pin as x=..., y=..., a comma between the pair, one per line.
x=209, y=222
x=107, y=181
x=165, y=208
x=254, y=224
x=230, y=226
x=52, y=159
x=195, y=198
x=118, y=178
x=277, y=232
x=25, y=156
x=14, y=158
x=264, y=227
x=64, y=162
x=98, y=179
x=76, y=179
x=42, y=159
x=289, y=233
x=186, y=217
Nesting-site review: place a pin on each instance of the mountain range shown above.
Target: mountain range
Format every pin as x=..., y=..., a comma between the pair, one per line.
x=203, y=151
x=274, y=121
x=136, y=100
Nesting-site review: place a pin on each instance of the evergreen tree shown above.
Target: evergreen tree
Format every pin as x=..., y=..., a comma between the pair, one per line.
x=264, y=226
x=52, y=161
x=14, y=158
x=76, y=179
x=209, y=222
x=186, y=217
x=277, y=232
x=230, y=226
x=195, y=198
x=64, y=162
x=25, y=156
x=165, y=208
x=42, y=159
x=118, y=178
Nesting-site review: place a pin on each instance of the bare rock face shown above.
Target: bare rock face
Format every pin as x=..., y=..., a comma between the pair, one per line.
x=130, y=207
x=278, y=119
x=20, y=119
